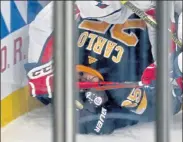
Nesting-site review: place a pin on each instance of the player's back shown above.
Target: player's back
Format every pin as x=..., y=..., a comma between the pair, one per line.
x=118, y=52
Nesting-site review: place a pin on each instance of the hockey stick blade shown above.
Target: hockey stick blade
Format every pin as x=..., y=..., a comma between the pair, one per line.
x=149, y=20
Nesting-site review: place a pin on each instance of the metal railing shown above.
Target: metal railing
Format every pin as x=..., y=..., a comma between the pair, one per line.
x=64, y=126
x=163, y=97
x=64, y=118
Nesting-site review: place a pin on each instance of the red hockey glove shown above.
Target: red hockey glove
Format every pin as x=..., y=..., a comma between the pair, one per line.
x=40, y=79
x=149, y=74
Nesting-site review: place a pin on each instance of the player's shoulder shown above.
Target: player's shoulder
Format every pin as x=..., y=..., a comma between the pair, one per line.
x=44, y=17
x=98, y=8
x=43, y=20
x=40, y=30
x=46, y=11
x=144, y=5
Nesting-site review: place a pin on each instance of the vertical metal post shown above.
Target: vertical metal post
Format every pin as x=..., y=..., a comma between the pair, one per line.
x=64, y=118
x=162, y=84
x=59, y=105
x=70, y=70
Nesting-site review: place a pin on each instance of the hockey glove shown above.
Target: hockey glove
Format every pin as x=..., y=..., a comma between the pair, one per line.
x=149, y=75
x=40, y=79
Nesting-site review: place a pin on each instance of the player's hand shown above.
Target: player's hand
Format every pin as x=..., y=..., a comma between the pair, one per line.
x=40, y=78
x=149, y=75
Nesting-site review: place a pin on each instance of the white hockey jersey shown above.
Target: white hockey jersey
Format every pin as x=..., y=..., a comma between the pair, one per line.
x=116, y=13
x=110, y=11
x=180, y=27
x=39, y=31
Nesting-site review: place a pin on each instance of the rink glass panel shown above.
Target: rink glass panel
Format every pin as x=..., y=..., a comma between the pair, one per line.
x=110, y=62
x=117, y=56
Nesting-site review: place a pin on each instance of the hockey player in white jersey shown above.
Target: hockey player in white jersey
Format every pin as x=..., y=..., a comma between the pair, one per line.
x=39, y=53
x=115, y=12
x=40, y=66
x=40, y=72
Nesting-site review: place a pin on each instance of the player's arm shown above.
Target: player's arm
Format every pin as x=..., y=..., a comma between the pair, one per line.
x=40, y=66
x=97, y=114
x=180, y=27
x=40, y=78
x=107, y=119
x=177, y=65
x=149, y=74
x=144, y=5
x=40, y=72
x=113, y=12
x=102, y=119
x=135, y=99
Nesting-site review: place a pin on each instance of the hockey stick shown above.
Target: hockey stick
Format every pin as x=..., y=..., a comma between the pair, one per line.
x=149, y=19
x=101, y=86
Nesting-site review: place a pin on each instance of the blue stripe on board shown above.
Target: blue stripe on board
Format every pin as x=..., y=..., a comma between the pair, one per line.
x=34, y=7
x=17, y=21
x=4, y=29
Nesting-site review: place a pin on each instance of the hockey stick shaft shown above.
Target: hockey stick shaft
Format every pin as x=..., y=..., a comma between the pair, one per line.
x=149, y=20
x=105, y=86
x=101, y=86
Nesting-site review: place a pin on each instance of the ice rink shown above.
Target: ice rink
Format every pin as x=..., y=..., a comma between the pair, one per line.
x=36, y=126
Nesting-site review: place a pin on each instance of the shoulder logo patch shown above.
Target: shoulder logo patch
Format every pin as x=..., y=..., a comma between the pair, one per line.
x=92, y=60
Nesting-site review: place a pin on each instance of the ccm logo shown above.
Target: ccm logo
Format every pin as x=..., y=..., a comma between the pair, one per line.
x=40, y=71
